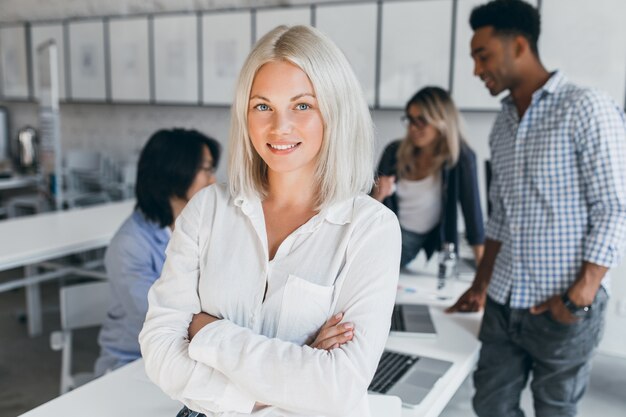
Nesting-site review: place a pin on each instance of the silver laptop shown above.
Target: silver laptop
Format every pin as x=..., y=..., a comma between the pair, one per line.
x=412, y=320
x=409, y=377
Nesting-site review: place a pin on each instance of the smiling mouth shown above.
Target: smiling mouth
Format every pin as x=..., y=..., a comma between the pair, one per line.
x=285, y=147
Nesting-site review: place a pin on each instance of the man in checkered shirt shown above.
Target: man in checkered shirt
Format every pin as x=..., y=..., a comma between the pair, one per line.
x=558, y=224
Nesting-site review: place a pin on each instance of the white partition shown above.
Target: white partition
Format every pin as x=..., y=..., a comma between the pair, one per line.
x=226, y=41
x=87, y=70
x=416, y=38
x=358, y=43
x=468, y=91
x=40, y=33
x=587, y=40
x=13, y=62
x=268, y=19
x=176, y=59
x=130, y=59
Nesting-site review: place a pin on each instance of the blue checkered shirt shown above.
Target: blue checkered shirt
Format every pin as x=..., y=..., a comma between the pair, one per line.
x=558, y=191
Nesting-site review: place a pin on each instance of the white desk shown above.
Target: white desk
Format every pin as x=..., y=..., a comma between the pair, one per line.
x=27, y=241
x=456, y=339
x=128, y=392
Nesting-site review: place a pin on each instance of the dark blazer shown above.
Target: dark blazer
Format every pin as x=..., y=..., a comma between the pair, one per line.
x=459, y=185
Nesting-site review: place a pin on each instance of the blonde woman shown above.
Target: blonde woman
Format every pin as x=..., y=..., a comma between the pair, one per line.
x=424, y=177
x=253, y=271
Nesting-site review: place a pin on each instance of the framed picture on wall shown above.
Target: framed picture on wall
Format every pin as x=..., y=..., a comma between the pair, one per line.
x=87, y=66
x=130, y=59
x=39, y=34
x=268, y=19
x=599, y=58
x=176, y=59
x=409, y=63
x=358, y=43
x=226, y=42
x=14, y=62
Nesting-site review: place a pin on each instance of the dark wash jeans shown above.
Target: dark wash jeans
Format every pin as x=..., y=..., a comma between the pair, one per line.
x=412, y=243
x=516, y=343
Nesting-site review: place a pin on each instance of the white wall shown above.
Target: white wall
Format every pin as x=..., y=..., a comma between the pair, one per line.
x=121, y=130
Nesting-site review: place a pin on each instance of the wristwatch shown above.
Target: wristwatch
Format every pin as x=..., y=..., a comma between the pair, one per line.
x=578, y=311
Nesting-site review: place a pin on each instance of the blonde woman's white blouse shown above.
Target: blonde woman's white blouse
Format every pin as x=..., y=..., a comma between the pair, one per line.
x=344, y=259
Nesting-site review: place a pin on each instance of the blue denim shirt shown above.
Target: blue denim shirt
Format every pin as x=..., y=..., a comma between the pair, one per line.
x=133, y=261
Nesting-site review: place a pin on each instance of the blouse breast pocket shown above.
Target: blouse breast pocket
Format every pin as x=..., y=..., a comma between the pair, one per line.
x=305, y=308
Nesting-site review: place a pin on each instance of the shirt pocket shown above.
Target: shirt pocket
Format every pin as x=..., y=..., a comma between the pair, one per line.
x=552, y=167
x=304, y=310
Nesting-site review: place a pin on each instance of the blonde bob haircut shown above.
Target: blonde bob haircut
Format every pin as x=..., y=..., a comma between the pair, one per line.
x=439, y=110
x=345, y=160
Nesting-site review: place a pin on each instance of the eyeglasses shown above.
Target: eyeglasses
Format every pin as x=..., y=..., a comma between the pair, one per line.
x=208, y=169
x=419, y=122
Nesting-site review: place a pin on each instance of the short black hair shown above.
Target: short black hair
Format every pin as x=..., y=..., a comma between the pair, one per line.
x=509, y=17
x=167, y=167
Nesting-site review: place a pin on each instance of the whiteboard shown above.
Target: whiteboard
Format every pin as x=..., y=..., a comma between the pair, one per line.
x=468, y=91
x=40, y=34
x=358, y=43
x=13, y=62
x=595, y=52
x=267, y=20
x=409, y=63
x=226, y=41
x=130, y=61
x=176, y=59
x=87, y=76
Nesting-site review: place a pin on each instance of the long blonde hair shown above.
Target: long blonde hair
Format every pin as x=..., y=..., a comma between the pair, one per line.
x=344, y=165
x=439, y=111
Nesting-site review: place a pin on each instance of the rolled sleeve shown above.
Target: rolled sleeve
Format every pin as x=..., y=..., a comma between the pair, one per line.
x=601, y=138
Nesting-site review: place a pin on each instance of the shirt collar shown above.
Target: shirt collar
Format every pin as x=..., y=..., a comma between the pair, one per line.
x=339, y=213
x=555, y=82
x=161, y=234
x=247, y=204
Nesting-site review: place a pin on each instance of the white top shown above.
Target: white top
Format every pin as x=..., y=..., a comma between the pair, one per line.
x=419, y=203
x=345, y=258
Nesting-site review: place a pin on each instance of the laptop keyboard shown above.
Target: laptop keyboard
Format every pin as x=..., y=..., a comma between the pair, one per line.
x=391, y=368
x=397, y=321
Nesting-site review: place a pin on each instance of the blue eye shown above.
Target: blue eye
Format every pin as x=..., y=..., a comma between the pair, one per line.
x=303, y=106
x=262, y=107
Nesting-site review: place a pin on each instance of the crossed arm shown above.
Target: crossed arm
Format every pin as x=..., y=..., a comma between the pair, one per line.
x=226, y=367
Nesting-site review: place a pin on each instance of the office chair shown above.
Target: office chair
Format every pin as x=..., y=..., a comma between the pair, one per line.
x=82, y=305
x=87, y=175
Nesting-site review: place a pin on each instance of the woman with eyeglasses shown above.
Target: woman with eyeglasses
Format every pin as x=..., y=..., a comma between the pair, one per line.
x=173, y=166
x=423, y=178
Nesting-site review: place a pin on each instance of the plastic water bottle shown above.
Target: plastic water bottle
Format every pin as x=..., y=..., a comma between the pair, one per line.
x=447, y=264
